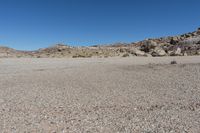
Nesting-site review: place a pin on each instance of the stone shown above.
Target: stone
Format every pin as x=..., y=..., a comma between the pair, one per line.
x=137, y=52
x=178, y=52
x=174, y=40
x=148, y=45
x=122, y=50
x=158, y=51
x=185, y=54
x=198, y=52
x=148, y=55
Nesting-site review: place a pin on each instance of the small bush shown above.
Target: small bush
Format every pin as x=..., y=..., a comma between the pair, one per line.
x=82, y=56
x=173, y=62
x=125, y=55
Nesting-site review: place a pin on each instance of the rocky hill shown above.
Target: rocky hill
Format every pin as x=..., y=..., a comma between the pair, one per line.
x=186, y=44
x=181, y=45
x=6, y=52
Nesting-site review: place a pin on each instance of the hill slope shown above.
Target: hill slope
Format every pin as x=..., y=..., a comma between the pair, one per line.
x=181, y=45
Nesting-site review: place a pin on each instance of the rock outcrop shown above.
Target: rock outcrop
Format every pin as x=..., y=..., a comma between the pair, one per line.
x=181, y=45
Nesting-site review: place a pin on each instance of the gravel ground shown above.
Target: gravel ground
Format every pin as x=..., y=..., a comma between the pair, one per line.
x=126, y=95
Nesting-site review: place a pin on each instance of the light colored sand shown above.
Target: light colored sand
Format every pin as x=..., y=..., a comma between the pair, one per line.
x=100, y=95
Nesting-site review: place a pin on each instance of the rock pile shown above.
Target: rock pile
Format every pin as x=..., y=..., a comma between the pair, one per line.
x=186, y=44
x=182, y=45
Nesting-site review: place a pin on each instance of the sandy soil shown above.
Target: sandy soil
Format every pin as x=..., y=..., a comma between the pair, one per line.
x=100, y=95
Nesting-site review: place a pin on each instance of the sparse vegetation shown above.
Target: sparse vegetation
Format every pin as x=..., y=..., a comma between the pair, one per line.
x=82, y=55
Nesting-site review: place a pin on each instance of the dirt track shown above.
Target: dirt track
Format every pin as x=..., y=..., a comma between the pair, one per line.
x=100, y=95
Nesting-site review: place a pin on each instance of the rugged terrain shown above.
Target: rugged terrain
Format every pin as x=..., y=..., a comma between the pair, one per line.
x=181, y=45
x=107, y=95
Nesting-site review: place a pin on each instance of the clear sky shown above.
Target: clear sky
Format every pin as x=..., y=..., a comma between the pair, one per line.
x=33, y=24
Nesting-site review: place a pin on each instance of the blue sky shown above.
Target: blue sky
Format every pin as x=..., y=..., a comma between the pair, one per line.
x=33, y=24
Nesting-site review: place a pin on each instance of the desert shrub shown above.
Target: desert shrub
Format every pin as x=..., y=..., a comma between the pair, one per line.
x=82, y=56
x=74, y=56
x=173, y=62
x=125, y=55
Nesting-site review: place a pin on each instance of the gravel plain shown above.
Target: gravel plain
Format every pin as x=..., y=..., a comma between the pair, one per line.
x=107, y=95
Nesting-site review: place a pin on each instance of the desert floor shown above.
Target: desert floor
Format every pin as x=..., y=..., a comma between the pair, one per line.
x=107, y=95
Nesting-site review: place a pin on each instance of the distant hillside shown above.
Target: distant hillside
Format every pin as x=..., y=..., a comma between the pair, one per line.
x=180, y=45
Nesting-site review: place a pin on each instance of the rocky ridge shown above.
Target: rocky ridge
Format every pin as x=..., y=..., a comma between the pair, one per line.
x=181, y=45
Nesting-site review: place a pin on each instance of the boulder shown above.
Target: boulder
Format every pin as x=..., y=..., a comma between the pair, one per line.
x=122, y=50
x=171, y=53
x=137, y=52
x=198, y=52
x=148, y=45
x=174, y=40
x=185, y=54
x=158, y=51
x=148, y=55
x=140, y=53
x=178, y=52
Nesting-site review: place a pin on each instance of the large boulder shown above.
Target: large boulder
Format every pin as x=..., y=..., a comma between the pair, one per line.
x=158, y=51
x=178, y=52
x=174, y=40
x=140, y=53
x=148, y=45
x=137, y=52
